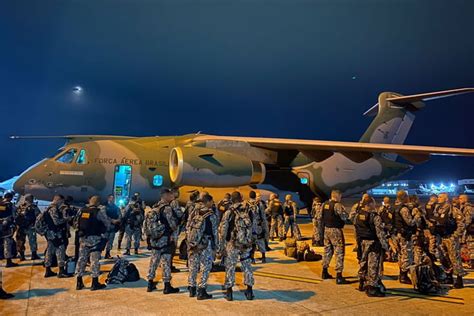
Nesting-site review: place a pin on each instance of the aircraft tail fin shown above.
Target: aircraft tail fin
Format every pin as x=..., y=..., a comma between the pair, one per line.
x=394, y=116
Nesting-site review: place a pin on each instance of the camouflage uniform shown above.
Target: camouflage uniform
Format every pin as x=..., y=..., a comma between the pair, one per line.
x=449, y=226
x=275, y=210
x=290, y=209
x=161, y=248
x=56, y=236
x=133, y=217
x=402, y=239
x=370, y=231
x=178, y=215
x=261, y=224
x=315, y=214
x=26, y=217
x=113, y=213
x=234, y=253
x=429, y=231
x=386, y=214
x=334, y=237
x=92, y=245
x=202, y=256
x=7, y=222
x=468, y=212
x=222, y=207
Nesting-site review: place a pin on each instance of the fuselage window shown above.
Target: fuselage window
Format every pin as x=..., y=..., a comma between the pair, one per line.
x=68, y=156
x=81, y=158
x=158, y=180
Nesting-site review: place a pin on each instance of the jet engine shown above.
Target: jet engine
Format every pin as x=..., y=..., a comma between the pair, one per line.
x=207, y=167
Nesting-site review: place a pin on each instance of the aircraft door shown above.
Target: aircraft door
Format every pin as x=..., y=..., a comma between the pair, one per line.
x=122, y=184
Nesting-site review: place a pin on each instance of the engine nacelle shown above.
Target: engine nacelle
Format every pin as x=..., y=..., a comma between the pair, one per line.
x=207, y=167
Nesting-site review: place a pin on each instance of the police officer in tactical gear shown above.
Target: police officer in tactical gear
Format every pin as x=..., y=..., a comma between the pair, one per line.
x=467, y=209
x=261, y=225
x=275, y=210
x=92, y=224
x=7, y=227
x=223, y=205
x=133, y=217
x=160, y=224
x=317, y=239
x=25, y=220
x=333, y=217
x=290, y=210
x=114, y=214
x=386, y=214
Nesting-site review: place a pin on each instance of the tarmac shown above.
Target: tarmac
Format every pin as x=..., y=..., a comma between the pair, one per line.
x=282, y=286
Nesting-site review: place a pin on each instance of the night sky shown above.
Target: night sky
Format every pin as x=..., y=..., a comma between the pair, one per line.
x=293, y=69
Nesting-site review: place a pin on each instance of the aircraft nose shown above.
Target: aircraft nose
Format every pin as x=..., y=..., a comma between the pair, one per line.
x=19, y=185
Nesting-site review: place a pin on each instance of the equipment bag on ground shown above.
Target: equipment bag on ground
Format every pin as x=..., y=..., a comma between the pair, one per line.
x=122, y=271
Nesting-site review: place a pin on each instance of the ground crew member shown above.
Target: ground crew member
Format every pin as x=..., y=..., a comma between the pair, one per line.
x=56, y=235
x=25, y=220
x=449, y=227
x=92, y=225
x=7, y=227
x=315, y=214
x=201, y=234
x=404, y=227
x=114, y=214
x=3, y=294
x=370, y=232
x=275, y=210
x=468, y=211
x=290, y=209
x=333, y=217
x=236, y=236
x=133, y=218
x=261, y=225
x=159, y=227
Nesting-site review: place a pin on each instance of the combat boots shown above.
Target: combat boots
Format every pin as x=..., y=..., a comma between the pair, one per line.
x=449, y=278
x=22, y=256
x=34, y=256
x=136, y=251
x=361, y=285
x=169, y=289
x=4, y=295
x=264, y=258
x=325, y=275
x=96, y=285
x=151, y=286
x=458, y=284
x=340, y=279
x=403, y=278
x=249, y=293
x=202, y=294
x=79, y=283
x=373, y=291
x=127, y=252
x=62, y=273
x=192, y=291
x=229, y=294
x=49, y=273
x=107, y=255
x=11, y=264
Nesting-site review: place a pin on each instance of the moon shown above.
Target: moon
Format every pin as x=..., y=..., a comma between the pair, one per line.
x=77, y=90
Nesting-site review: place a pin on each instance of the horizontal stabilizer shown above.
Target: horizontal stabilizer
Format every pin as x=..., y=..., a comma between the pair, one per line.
x=428, y=96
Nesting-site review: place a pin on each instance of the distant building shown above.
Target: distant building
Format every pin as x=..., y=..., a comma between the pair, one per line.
x=418, y=187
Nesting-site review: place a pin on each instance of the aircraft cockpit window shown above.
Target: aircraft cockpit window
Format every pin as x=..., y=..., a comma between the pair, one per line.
x=81, y=158
x=68, y=156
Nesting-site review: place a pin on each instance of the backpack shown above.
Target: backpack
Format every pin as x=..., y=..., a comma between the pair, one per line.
x=155, y=229
x=424, y=279
x=241, y=233
x=197, y=226
x=43, y=223
x=122, y=271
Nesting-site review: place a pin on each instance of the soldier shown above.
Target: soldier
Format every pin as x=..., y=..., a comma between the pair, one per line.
x=468, y=211
x=404, y=227
x=386, y=214
x=159, y=227
x=261, y=225
x=354, y=210
x=370, y=232
x=449, y=227
x=236, y=236
x=290, y=209
x=430, y=222
x=263, y=206
x=113, y=213
x=179, y=219
x=133, y=218
x=417, y=238
x=70, y=212
x=315, y=214
x=201, y=234
x=224, y=205
x=56, y=235
x=333, y=217
x=7, y=227
x=275, y=210
x=25, y=220
x=92, y=225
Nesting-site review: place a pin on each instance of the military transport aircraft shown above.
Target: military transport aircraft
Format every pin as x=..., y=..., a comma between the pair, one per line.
x=97, y=164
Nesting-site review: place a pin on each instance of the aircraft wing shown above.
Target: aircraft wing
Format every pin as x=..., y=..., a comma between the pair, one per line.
x=410, y=152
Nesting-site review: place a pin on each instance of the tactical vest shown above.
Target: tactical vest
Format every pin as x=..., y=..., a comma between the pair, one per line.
x=275, y=209
x=6, y=209
x=289, y=210
x=163, y=219
x=386, y=216
x=429, y=211
x=208, y=227
x=445, y=224
x=112, y=211
x=89, y=224
x=26, y=216
x=330, y=218
x=399, y=223
x=364, y=226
